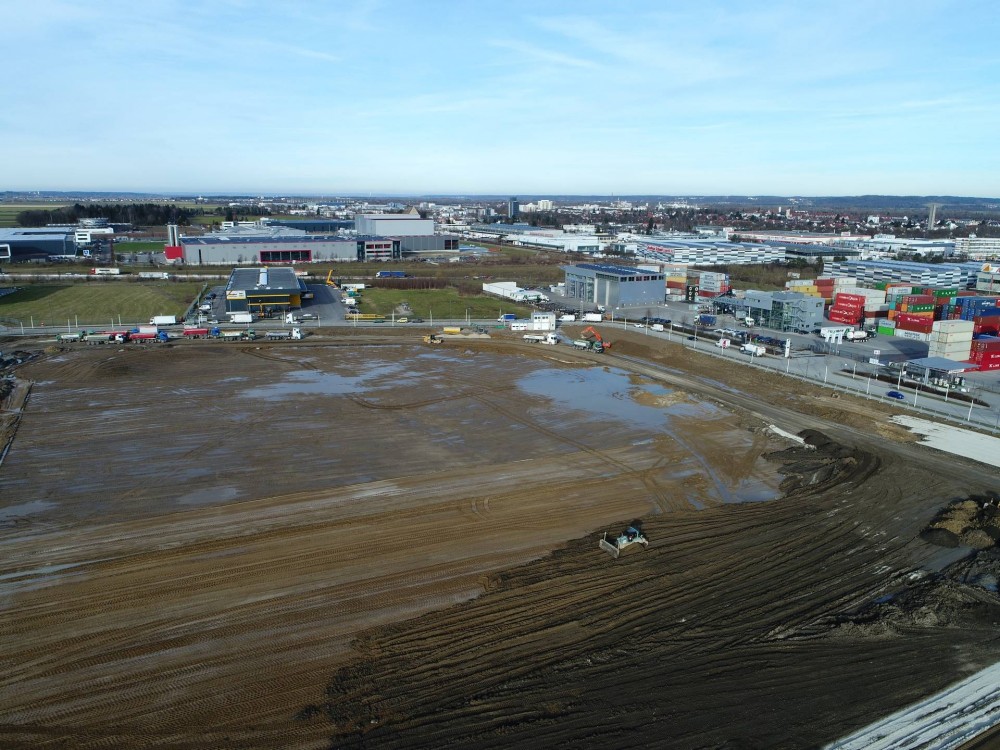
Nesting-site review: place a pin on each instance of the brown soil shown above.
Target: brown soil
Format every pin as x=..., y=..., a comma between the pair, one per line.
x=364, y=541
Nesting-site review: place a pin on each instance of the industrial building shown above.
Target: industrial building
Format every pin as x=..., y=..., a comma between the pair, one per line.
x=784, y=311
x=393, y=225
x=277, y=248
x=23, y=244
x=708, y=252
x=263, y=291
x=614, y=286
x=871, y=272
x=978, y=248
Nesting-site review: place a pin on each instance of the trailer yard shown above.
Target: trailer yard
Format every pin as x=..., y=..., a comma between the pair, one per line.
x=364, y=540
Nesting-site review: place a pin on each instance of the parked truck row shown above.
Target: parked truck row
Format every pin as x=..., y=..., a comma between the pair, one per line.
x=151, y=334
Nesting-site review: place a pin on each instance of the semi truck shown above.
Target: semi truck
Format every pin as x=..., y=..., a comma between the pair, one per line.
x=506, y=318
x=294, y=333
x=391, y=275
x=857, y=335
x=241, y=317
x=541, y=338
x=199, y=333
x=163, y=320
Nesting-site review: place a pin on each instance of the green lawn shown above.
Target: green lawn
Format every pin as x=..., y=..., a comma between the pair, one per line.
x=442, y=304
x=96, y=302
x=9, y=211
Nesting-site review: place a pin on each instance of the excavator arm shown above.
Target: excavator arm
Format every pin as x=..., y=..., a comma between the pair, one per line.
x=590, y=333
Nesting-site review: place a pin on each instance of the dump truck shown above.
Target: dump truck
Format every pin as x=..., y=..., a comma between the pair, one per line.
x=237, y=335
x=197, y=333
x=69, y=337
x=597, y=342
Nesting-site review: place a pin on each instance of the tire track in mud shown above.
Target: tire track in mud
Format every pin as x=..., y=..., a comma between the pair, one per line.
x=725, y=608
x=669, y=605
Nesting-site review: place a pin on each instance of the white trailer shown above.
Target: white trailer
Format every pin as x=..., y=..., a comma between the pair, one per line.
x=163, y=320
x=541, y=338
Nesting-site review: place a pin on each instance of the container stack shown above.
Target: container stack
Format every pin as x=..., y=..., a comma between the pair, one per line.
x=986, y=353
x=951, y=339
x=710, y=283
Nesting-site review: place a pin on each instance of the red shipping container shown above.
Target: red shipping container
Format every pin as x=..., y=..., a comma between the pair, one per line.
x=848, y=297
x=915, y=327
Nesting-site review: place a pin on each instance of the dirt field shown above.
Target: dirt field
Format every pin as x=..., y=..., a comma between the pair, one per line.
x=370, y=542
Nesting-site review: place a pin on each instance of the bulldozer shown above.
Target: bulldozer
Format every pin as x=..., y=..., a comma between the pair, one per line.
x=614, y=546
x=432, y=338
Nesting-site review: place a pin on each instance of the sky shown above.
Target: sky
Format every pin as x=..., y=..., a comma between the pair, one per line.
x=667, y=97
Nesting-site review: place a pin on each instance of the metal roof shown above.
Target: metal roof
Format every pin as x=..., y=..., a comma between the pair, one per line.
x=617, y=270
x=225, y=240
x=264, y=278
x=941, y=363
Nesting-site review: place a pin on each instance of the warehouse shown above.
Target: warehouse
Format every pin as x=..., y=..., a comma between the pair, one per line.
x=263, y=291
x=37, y=244
x=279, y=248
x=393, y=225
x=614, y=286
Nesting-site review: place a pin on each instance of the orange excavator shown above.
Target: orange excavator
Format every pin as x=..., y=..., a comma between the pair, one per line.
x=597, y=342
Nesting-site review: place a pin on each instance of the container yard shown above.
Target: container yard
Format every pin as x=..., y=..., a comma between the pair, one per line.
x=362, y=540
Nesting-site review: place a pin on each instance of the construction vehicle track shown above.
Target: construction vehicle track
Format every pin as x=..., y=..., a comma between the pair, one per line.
x=346, y=560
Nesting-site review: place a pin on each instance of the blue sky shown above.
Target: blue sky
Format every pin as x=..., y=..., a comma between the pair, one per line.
x=526, y=98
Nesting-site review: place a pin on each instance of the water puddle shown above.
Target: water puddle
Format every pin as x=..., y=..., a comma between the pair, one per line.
x=209, y=495
x=26, y=509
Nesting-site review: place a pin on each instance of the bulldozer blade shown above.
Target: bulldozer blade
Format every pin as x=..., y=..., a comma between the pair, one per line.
x=608, y=547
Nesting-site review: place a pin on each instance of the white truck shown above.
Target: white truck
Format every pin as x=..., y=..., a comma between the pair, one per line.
x=592, y=317
x=297, y=317
x=754, y=350
x=541, y=338
x=163, y=320
x=748, y=322
x=241, y=317
x=568, y=318
x=294, y=333
x=857, y=335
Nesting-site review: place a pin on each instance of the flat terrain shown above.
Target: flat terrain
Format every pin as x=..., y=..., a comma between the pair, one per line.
x=96, y=302
x=363, y=541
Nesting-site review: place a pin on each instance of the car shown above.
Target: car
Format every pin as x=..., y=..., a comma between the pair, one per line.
x=402, y=320
x=896, y=395
x=691, y=338
x=416, y=320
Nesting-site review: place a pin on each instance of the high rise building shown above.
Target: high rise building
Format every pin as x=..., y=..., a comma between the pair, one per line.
x=513, y=208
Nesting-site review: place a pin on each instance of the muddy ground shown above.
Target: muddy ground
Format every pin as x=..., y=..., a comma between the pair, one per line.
x=365, y=541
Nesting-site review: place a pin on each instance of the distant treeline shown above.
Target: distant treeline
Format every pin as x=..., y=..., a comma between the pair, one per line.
x=137, y=214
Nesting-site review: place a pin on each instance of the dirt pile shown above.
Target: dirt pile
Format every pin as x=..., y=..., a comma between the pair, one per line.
x=974, y=522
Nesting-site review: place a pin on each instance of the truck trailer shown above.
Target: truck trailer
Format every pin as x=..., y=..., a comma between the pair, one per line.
x=163, y=320
x=592, y=317
x=541, y=338
x=294, y=333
